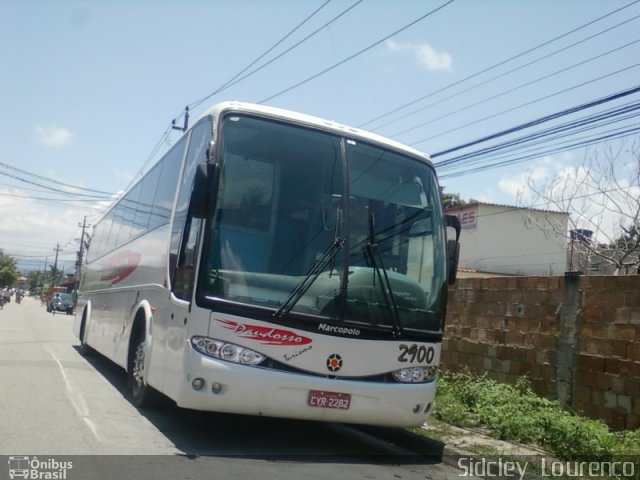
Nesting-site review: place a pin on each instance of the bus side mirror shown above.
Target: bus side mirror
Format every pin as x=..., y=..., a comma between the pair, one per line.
x=202, y=195
x=453, y=248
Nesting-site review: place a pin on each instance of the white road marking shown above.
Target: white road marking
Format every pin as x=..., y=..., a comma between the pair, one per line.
x=76, y=398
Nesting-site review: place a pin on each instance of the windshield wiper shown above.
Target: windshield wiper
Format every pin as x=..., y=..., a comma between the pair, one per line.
x=314, y=272
x=373, y=256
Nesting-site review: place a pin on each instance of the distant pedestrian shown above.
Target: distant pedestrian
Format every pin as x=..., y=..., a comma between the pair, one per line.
x=6, y=295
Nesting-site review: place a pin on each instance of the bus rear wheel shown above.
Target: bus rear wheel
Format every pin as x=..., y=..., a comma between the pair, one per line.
x=143, y=395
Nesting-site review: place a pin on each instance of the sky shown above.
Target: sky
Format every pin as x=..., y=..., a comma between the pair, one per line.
x=88, y=88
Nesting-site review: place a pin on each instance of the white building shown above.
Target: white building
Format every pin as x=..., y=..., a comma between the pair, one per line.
x=587, y=261
x=504, y=239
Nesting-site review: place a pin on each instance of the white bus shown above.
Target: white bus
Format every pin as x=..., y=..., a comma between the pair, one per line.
x=277, y=264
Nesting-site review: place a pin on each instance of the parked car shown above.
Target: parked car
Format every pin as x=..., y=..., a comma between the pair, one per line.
x=62, y=302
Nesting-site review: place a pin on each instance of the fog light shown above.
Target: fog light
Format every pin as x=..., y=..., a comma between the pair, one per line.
x=216, y=388
x=198, y=383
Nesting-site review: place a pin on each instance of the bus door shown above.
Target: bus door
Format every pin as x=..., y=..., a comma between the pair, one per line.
x=183, y=257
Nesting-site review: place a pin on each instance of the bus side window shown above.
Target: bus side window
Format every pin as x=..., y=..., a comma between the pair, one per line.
x=184, y=232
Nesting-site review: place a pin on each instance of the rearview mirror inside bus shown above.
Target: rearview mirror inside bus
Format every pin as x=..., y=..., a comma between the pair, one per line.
x=202, y=195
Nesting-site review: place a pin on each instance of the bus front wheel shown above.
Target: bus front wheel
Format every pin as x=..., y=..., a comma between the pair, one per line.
x=84, y=348
x=143, y=395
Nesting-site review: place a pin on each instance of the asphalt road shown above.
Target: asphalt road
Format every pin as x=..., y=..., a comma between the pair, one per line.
x=57, y=406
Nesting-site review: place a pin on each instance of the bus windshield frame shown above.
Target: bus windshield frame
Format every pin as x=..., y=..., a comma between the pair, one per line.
x=314, y=226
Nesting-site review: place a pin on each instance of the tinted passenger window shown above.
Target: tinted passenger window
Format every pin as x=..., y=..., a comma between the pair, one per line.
x=166, y=189
x=145, y=202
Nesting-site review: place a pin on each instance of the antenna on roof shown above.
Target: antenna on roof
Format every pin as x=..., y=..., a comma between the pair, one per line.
x=186, y=121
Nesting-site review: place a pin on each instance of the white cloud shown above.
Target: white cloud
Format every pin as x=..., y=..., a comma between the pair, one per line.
x=598, y=197
x=31, y=228
x=126, y=175
x=514, y=185
x=542, y=170
x=427, y=56
x=56, y=137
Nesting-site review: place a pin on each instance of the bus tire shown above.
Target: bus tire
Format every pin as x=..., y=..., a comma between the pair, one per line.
x=142, y=395
x=84, y=348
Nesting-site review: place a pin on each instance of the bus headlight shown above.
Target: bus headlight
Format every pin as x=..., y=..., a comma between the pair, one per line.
x=226, y=351
x=415, y=374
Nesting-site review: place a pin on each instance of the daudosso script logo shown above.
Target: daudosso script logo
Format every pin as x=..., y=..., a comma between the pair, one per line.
x=265, y=335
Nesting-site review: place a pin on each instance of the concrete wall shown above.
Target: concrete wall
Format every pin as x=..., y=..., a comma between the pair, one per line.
x=576, y=338
x=497, y=238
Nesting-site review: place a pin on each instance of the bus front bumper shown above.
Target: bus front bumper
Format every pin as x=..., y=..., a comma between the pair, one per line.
x=227, y=387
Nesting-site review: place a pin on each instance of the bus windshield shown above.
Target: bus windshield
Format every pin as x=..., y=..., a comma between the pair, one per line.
x=315, y=225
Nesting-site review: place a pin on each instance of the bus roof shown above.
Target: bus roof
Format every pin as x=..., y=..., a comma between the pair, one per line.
x=309, y=120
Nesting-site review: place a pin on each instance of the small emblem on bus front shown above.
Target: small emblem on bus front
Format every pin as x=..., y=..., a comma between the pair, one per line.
x=334, y=362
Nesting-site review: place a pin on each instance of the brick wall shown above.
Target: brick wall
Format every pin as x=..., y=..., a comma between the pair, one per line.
x=576, y=338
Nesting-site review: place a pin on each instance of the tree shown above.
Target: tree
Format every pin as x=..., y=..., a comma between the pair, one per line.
x=8, y=271
x=33, y=280
x=602, y=196
x=451, y=200
x=55, y=273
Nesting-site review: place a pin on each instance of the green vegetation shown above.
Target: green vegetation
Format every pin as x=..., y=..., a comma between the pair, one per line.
x=516, y=413
x=8, y=271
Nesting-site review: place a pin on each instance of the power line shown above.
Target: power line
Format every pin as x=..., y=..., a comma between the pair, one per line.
x=235, y=80
x=53, y=189
x=526, y=104
x=360, y=52
x=254, y=71
x=574, y=146
x=51, y=199
x=540, y=120
x=547, y=149
x=541, y=140
x=496, y=65
x=164, y=137
x=501, y=75
x=50, y=180
x=523, y=85
x=565, y=131
x=231, y=81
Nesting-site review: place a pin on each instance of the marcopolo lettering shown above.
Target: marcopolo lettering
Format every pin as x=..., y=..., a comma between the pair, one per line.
x=337, y=329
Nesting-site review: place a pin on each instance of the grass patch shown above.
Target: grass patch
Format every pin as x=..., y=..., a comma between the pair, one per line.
x=516, y=413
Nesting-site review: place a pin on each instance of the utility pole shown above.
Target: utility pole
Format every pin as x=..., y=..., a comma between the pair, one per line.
x=84, y=226
x=55, y=264
x=44, y=272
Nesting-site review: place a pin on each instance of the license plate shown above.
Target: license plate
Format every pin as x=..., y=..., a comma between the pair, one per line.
x=322, y=399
